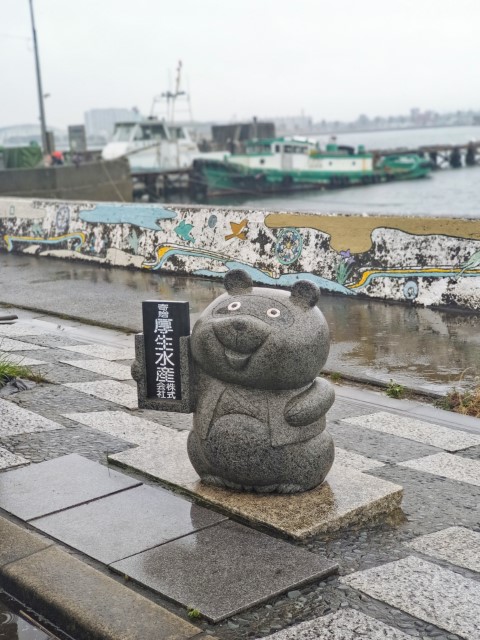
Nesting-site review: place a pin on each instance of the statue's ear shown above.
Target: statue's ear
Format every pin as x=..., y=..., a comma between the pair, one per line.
x=237, y=281
x=305, y=294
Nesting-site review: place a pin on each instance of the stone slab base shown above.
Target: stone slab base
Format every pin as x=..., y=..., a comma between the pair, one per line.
x=347, y=497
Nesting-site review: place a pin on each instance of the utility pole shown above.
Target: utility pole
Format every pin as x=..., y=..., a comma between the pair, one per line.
x=43, y=125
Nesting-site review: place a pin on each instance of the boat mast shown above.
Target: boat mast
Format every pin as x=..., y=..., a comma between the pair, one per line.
x=43, y=126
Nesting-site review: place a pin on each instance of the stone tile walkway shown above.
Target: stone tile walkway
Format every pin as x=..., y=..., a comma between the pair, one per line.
x=416, y=577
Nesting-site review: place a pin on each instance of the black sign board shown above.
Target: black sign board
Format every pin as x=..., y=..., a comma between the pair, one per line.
x=164, y=323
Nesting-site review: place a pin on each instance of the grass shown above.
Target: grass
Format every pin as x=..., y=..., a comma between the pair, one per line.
x=335, y=376
x=10, y=370
x=464, y=401
x=194, y=614
x=395, y=390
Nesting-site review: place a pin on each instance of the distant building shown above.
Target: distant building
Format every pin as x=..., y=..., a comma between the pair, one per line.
x=101, y=122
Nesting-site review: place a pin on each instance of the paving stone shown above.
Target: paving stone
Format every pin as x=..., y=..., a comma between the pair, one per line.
x=449, y=466
x=355, y=460
x=123, y=425
x=15, y=420
x=25, y=361
x=429, y=592
x=347, y=497
x=19, y=330
x=104, y=367
x=45, y=445
x=127, y=523
x=41, y=489
x=224, y=569
x=111, y=390
x=343, y=408
x=457, y=545
x=346, y=624
x=58, y=373
x=9, y=459
x=7, y=344
x=18, y=543
x=425, y=432
x=162, y=456
x=377, y=445
x=104, y=351
x=88, y=604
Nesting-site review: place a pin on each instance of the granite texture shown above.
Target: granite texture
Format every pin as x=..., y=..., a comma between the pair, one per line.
x=126, y=523
x=19, y=330
x=123, y=425
x=346, y=498
x=41, y=489
x=456, y=545
x=424, y=590
x=449, y=466
x=16, y=543
x=425, y=432
x=259, y=421
x=15, y=420
x=8, y=344
x=9, y=459
x=102, y=351
x=88, y=604
x=354, y=460
x=104, y=367
x=346, y=624
x=25, y=361
x=110, y=390
x=224, y=569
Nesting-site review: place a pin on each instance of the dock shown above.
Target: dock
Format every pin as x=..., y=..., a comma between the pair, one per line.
x=441, y=155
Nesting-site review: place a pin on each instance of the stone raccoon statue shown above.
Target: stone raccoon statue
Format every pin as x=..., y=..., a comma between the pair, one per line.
x=259, y=421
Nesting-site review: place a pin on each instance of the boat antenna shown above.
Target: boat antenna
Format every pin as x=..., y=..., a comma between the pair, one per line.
x=43, y=125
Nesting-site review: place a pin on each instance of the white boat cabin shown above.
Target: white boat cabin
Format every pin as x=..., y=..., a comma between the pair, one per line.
x=283, y=154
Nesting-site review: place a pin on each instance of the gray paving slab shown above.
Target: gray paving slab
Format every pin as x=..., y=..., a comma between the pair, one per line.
x=224, y=569
x=9, y=344
x=41, y=489
x=355, y=460
x=424, y=590
x=123, y=425
x=457, y=545
x=18, y=330
x=9, y=459
x=449, y=466
x=88, y=604
x=16, y=420
x=376, y=445
x=110, y=390
x=103, y=367
x=418, y=430
x=103, y=351
x=127, y=523
x=346, y=624
x=24, y=361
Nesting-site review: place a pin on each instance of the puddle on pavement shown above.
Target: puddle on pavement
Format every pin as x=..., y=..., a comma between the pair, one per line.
x=15, y=627
x=379, y=341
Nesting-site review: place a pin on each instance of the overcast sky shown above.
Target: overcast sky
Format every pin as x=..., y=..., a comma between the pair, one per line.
x=333, y=59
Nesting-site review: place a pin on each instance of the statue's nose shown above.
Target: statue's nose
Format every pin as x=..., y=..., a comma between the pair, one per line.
x=239, y=325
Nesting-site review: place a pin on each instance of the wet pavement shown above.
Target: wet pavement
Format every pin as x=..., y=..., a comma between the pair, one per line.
x=392, y=573
x=420, y=348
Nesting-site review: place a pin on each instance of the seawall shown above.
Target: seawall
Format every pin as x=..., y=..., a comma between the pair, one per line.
x=425, y=261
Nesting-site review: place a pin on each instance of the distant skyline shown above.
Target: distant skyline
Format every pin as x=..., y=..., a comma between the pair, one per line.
x=268, y=58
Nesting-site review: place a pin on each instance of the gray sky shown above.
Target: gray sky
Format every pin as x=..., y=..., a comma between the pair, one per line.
x=332, y=58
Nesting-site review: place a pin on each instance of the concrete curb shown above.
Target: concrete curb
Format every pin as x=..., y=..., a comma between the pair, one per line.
x=77, y=598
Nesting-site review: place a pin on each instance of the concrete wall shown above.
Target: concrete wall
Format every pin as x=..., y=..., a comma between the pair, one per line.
x=426, y=261
x=96, y=181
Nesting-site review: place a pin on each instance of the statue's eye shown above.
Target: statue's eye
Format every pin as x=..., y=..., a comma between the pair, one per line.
x=233, y=306
x=273, y=313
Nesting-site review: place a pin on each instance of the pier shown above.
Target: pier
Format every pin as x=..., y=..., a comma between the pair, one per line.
x=441, y=156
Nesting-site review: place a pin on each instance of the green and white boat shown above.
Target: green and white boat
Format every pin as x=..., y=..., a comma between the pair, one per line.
x=290, y=164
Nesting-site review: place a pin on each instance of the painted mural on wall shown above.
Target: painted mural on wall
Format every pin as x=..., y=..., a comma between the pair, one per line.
x=428, y=261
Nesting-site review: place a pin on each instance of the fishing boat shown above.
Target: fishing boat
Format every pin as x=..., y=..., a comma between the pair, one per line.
x=290, y=164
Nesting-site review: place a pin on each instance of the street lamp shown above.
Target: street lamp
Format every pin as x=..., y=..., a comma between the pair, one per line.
x=43, y=126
